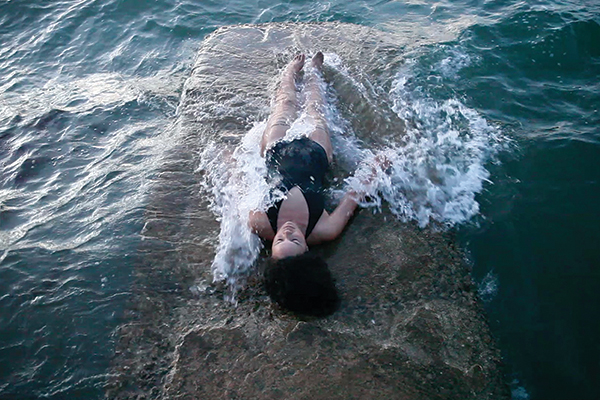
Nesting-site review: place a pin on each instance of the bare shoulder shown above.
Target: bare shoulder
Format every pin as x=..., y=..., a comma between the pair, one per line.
x=259, y=223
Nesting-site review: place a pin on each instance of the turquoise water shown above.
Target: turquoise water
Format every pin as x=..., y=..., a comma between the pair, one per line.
x=88, y=95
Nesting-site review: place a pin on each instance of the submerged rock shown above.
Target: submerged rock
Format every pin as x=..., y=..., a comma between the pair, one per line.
x=409, y=326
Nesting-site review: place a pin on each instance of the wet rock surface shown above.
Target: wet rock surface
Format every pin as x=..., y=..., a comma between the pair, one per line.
x=409, y=326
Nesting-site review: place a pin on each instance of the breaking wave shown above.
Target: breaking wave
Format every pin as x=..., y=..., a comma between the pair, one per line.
x=439, y=165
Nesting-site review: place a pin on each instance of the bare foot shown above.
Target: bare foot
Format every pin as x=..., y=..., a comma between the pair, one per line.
x=297, y=63
x=317, y=61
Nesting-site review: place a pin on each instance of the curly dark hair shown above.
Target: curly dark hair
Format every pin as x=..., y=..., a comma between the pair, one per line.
x=302, y=284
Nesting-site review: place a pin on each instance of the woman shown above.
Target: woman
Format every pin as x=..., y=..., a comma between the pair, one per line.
x=298, y=281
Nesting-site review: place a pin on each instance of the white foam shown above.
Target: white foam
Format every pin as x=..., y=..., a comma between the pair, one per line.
x=451, y=65
x=439, y=168
x=488, y=287
x=334, y=61
x=236, y=181
x=433, y=172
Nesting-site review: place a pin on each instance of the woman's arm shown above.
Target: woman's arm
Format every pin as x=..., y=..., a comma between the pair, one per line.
x=259, y=223
x=330, y=226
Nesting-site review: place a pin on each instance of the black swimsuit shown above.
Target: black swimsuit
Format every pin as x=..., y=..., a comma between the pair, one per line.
x=303, y=163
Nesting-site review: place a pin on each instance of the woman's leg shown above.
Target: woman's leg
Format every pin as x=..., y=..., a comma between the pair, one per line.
x=315, y=106
x=285, y=109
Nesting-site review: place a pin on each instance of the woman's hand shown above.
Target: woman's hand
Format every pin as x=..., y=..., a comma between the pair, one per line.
x=381, y=162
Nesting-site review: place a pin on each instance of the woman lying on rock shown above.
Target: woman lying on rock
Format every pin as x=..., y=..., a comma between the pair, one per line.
x=294, y=278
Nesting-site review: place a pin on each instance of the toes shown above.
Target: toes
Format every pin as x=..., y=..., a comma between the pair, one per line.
x=297, y=62
x=318, y=59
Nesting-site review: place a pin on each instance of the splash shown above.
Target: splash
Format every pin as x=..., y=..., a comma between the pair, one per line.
x=431, y=173
x=488, y=287
x=235, y=179
x=434, y=171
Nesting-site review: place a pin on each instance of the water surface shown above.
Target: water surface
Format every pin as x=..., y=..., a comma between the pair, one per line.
x=88, y=100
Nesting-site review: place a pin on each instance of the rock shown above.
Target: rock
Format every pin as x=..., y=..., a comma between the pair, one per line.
x=410, y=325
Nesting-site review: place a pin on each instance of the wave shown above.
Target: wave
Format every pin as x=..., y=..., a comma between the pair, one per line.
x=439, y=165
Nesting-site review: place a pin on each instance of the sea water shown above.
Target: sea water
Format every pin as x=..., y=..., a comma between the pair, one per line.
x=501, y=145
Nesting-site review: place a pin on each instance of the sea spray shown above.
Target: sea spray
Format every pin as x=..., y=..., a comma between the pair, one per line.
x=488, y=287
x=432, y=172
x=437, y=168
x=235, y=180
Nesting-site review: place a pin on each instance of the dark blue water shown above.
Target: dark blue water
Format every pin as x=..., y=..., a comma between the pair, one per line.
x=88, y=96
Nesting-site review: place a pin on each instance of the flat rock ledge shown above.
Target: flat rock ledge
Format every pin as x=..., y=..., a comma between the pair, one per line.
x=410, y=325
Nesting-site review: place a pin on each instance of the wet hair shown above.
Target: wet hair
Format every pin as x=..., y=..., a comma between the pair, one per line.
x=302, y=284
